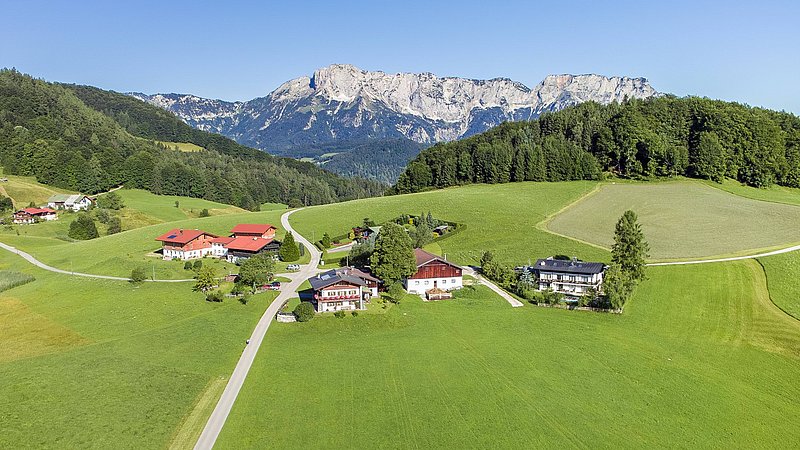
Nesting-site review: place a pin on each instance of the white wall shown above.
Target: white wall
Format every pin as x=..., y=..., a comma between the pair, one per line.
x=419, y=286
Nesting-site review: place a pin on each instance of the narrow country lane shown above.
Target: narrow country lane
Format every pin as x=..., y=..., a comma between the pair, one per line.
x=28, y=257
x=220, y=414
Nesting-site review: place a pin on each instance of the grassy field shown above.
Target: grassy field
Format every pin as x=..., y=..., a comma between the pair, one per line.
x=99, y=364
x=689, y=364
x=24, y=190
x=162, y=208
x=182, y=146
x=783, y=275
x=501, y=218
x=682, y=220
x=118, y=254
x=775, y=193
x=271, y=206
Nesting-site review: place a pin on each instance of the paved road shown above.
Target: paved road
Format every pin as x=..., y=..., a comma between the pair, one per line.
x=733, y=258
x=28, y=257
x=288, y=290
x=485, y=281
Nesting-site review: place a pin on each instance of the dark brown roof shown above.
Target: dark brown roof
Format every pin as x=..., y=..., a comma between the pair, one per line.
x=424, y=257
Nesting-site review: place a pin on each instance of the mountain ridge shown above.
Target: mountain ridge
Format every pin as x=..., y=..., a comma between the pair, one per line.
x=343, y=102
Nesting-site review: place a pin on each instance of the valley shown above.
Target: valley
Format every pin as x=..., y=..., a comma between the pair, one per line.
x=83, y=351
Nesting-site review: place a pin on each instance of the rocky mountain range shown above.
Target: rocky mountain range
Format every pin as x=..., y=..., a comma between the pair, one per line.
x=340, y=107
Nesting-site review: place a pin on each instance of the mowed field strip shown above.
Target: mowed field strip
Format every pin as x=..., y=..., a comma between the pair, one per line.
x=682, y=220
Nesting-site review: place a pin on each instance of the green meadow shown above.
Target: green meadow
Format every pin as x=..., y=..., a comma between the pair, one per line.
x=502, y=218
x=689, y=364
x=95, y=363
x=684, y=219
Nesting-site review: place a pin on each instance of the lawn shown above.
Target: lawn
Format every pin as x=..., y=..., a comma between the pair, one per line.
x=783, y=273
x=774, y=193
x=689, y=364
x=98, y=364
x=682, y=220
x=501, y=218
x=271, y=206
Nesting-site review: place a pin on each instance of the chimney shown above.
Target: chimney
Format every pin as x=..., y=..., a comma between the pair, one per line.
x=180, y=231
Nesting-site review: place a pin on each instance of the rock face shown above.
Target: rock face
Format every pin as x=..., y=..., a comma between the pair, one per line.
x=340, y=105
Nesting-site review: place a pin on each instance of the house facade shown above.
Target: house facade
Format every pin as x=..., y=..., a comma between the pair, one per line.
x=185, y=244
x=433, y=273
x=74, y=202
x=573, y=278
x=339, y=290
x=33, y=215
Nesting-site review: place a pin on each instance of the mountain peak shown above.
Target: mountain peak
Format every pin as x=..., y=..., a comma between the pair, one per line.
x=343, y=102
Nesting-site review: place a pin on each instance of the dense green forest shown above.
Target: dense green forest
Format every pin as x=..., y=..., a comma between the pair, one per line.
x=383, y=160
x=658, y=137
x=90, y=140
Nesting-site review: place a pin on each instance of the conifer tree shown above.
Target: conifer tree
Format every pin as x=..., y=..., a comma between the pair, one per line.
x=630, y=247
x=289, y=251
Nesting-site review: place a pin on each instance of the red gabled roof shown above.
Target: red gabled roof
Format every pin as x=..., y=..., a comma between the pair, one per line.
x=180, y=236
x=222, y=240
x=252, y=228
x=37, y=211
x=424, y=257
x=248, y=244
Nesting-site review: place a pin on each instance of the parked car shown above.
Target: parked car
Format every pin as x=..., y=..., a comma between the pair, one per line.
x=274, y=286
x=293, y=267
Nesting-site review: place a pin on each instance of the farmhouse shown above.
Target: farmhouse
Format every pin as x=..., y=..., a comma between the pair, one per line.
x=434, y=273
x=340, y=289
x=265, y=231
x=244, y=247
x=33, y=215
x=75, y=202
x=572, y=278
x=185, y=244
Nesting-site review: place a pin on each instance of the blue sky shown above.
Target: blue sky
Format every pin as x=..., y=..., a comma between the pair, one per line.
x=238, y=50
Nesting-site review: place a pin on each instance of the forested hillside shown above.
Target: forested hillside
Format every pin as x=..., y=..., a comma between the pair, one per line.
x=382, y=160
x=108, y=139
x=657, y=137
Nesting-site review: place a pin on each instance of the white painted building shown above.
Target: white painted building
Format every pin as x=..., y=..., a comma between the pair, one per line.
x=433, y=272
x=74, y=202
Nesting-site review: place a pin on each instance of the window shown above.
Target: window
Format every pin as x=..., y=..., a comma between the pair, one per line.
x=416, y=282
x=444, y=281
x=426, y=282
x=453, y=280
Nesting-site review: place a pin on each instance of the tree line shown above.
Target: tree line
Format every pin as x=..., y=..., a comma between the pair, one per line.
x=46, y=131
x=640, y=139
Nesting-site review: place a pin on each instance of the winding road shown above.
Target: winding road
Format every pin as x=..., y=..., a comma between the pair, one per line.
x=220, y=414
x=28, y=257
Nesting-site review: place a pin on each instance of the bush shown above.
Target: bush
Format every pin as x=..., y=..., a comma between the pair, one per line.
x=103, y=216
x=354, y=313
x=204, y=213
x=138, y=275
x=83, y=228
x=304, y=312
x=112, y=200
x=396, y=292
x=326, y=241
x=339, y=314
x=197, y=265
x=215, y=297
x=187, y=265
x=114, y=225
x=244, y=298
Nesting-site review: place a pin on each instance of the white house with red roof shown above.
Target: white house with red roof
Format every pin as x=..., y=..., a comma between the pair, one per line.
x=33, y=215
x=262, y=230
x=434, y=273
x=185, y=244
